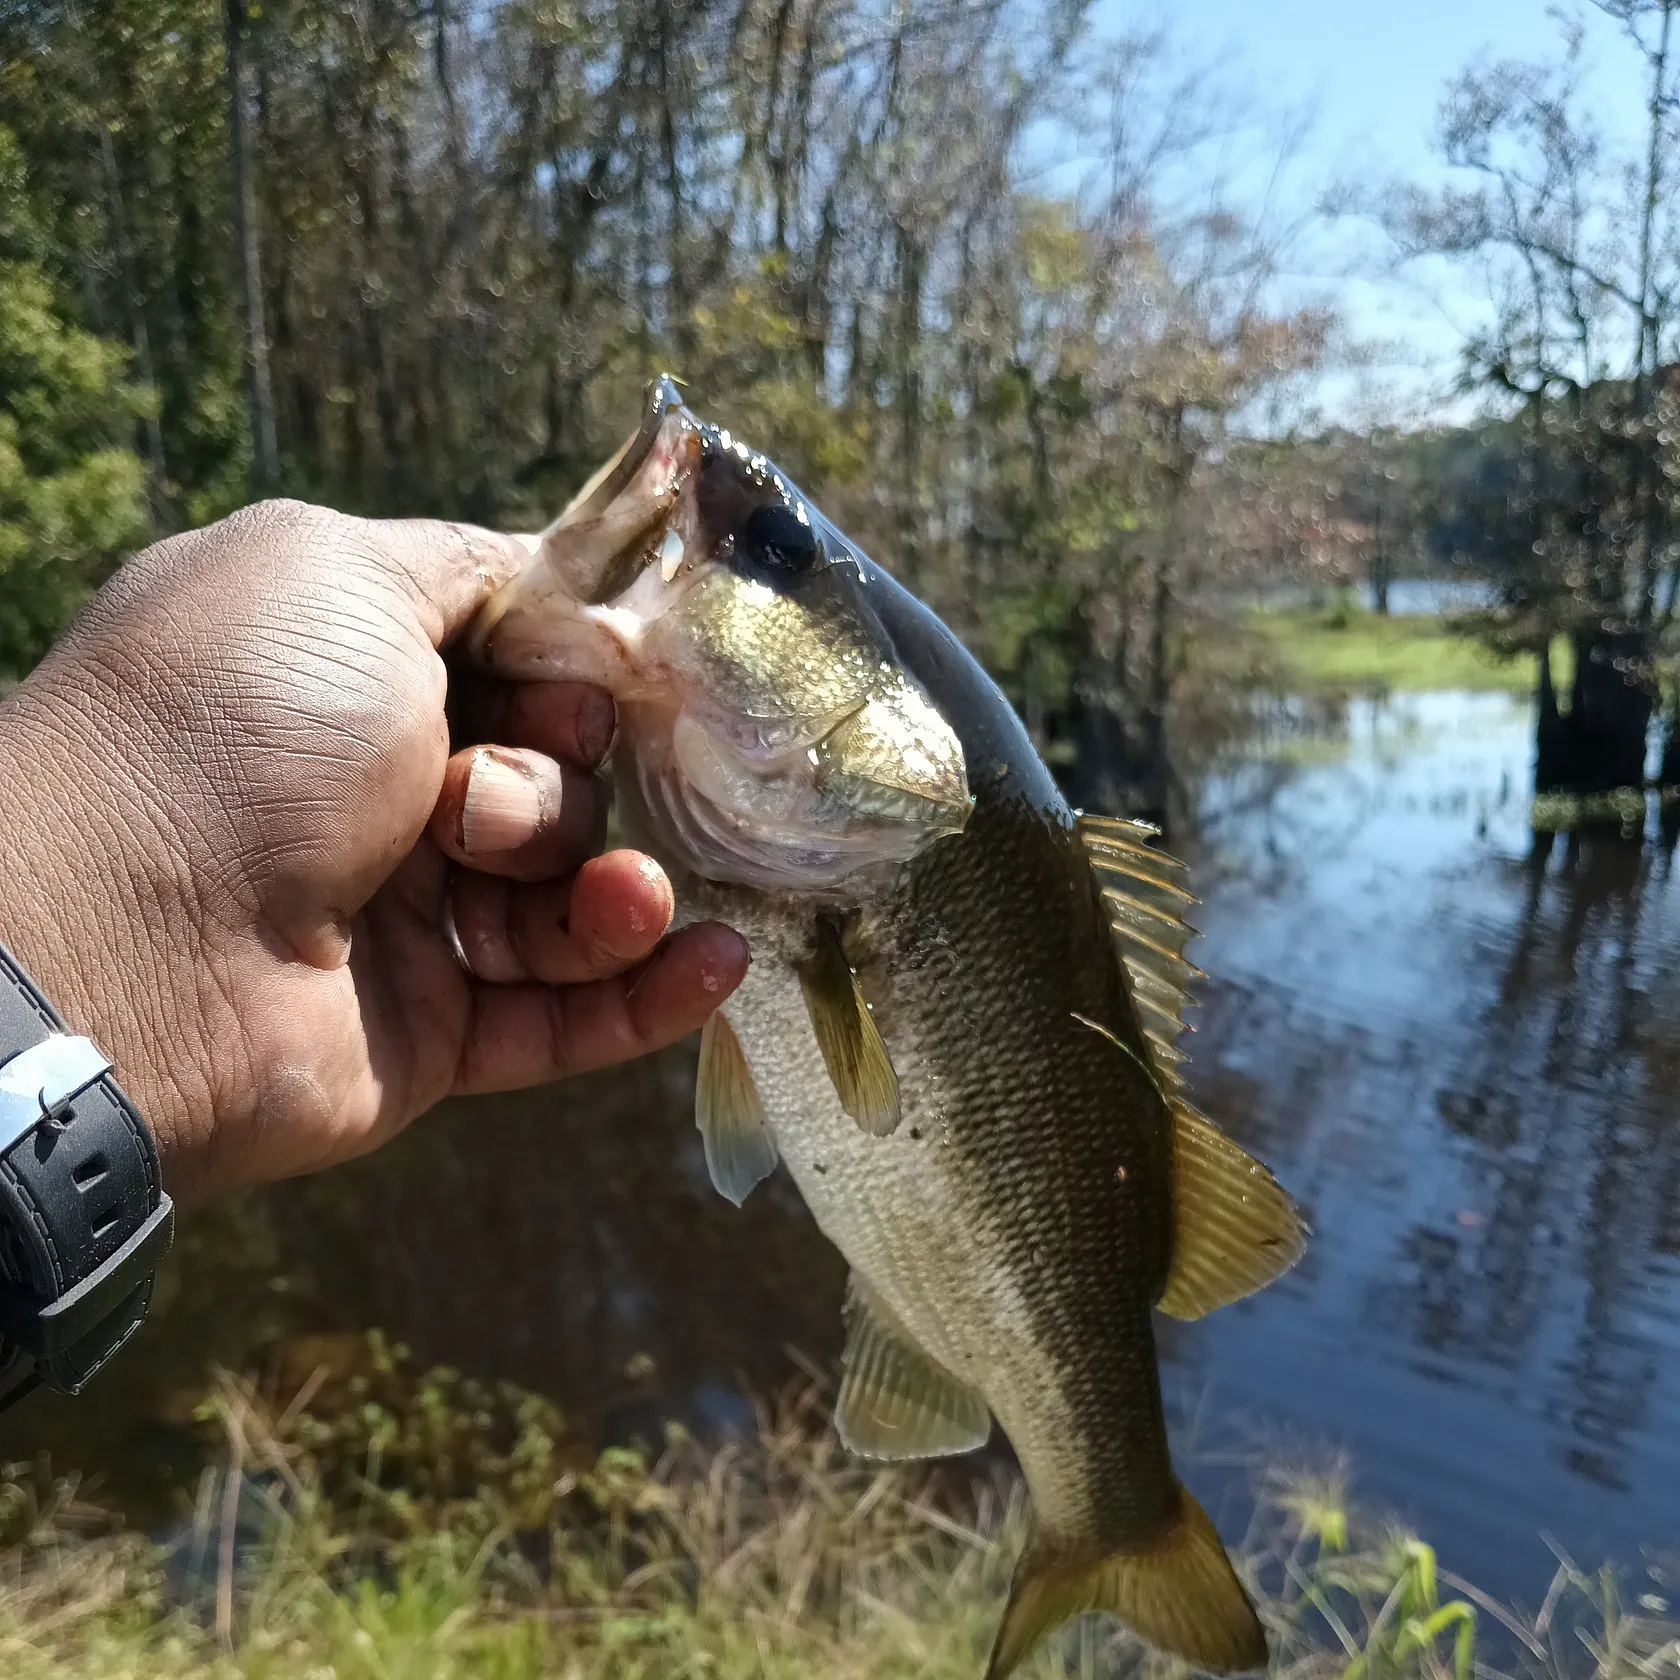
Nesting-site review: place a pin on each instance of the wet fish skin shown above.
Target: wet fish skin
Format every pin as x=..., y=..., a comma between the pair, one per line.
x=1018, y=1222
x=1021, y=1243
x=1012, y=1228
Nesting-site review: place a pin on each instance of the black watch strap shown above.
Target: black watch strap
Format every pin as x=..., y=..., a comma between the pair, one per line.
x=83, y=1216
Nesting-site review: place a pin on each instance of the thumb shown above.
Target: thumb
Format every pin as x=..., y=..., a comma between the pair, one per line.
x=448, y=570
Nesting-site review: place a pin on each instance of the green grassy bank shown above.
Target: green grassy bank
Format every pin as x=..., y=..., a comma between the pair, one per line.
x=386, y=1526
x=1344, y=648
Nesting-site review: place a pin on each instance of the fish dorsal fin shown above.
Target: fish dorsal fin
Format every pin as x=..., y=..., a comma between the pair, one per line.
x=1145, y=894
x=858, y=1065
x=1234, y=1227
x=894, y=1401
x=740, y=1147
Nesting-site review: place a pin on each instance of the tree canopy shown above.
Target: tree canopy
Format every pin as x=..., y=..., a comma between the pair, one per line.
x=70, y=485
x=417, y=256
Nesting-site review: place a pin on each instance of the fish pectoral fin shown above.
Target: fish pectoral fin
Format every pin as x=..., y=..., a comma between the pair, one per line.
x=1180, y=1593
x=1234, y=1226
x=894, y=1401
x=740, y=1147
x=858, y=1065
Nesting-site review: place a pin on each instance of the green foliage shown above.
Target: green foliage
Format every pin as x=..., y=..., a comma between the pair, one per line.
x=71, y=491
x=479, y=229
x=418, y=1451
x=1346, y=649
x=120, y=110
x=1412, y=1620
x=737, y=359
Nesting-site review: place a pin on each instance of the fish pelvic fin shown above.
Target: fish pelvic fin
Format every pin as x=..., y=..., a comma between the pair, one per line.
x=1181, y=1594
x=895, y=1402
x=1234, y=1226
x=740, y=1147
x=852, y=1048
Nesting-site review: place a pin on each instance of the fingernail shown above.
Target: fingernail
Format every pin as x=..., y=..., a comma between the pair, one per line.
x=597, y=721
x=730, y=972
x=503, y=806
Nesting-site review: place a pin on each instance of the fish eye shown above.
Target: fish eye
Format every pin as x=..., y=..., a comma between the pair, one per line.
x=777, y=543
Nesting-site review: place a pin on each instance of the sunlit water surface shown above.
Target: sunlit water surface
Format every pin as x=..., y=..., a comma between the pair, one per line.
x=1464, y=1060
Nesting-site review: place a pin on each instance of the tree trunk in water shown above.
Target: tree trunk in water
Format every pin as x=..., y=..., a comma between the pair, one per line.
x=1101, y=772
x=1118, y=763
x=259, y=390
x=1598, y=746
x=1155, y=780
x=1551, y=769
x=1668, y=782
x=1381, y=572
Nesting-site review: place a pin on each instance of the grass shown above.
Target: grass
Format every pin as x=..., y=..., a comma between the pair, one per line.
x=408, y=1528
x=1343, y=648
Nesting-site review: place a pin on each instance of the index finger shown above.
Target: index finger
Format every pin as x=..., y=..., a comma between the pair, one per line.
x=531, y=1034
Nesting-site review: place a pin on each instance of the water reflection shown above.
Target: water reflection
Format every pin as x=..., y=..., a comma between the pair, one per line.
x=1461, y=1048
x=570, y=1240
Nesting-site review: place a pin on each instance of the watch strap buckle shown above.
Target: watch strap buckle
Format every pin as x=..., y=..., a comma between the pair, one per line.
x=38, y=1085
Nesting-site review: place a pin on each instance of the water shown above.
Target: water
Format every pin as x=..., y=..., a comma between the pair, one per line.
x=1410, y=597
x=1407, y=597
x=1463, y=1060
x=1465, y=1064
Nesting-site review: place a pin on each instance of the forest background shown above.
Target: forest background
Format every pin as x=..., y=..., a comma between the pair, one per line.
x=977, y=273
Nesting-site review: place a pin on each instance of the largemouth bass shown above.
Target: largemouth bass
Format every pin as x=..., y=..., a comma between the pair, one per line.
x=958, y=1030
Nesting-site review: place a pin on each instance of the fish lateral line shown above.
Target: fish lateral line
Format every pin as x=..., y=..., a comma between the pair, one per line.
x=1121, y=1045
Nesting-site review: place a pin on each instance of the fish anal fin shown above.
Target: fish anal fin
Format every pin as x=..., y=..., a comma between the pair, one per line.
x=1180, y=1593
x=1143, y=893
x=1234, y=1227
x=895, y=1402
x=853, y=1051
x=740, y=1146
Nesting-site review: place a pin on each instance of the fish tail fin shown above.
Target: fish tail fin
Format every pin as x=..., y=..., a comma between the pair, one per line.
x=1180, y=1593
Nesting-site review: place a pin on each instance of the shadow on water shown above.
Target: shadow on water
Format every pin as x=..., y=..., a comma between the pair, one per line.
x=1460, y=1052
x=571, y=1241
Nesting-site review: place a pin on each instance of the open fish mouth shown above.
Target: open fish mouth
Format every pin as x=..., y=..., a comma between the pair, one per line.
x=769, y=735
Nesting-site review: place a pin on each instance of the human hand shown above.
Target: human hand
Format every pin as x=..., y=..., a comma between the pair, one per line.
x=228, y=816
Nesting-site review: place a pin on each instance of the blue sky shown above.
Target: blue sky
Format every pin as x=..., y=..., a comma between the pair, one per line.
x=1371, y=74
